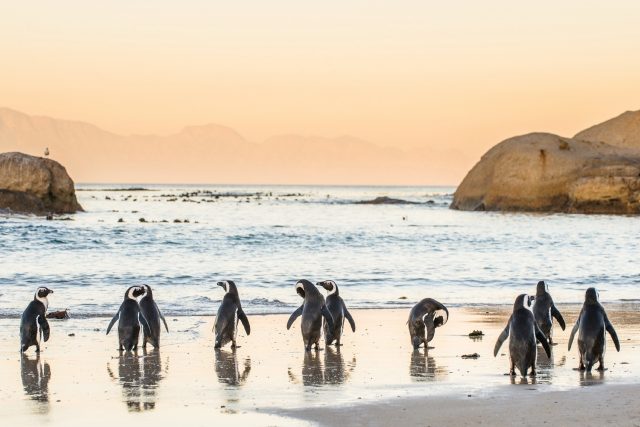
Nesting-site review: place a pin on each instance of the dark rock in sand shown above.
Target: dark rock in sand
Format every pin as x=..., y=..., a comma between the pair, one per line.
x=35, y=185
x=63, y=314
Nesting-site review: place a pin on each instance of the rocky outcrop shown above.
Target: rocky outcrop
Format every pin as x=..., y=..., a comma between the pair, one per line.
x=542, y=172
x=35, y=185
x=622, y=131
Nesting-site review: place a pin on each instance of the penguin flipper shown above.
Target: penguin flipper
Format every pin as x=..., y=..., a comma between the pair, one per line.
x=327, y=316
x=503, y=336
x=573, y=332
x=555, y=313
x=145, y=325
x=543, y=340
x=612, y=332
x=244, y=320
x=113, y=321
x=44, y=328
x=347, y=315
x=294, y=316
x=164, y=321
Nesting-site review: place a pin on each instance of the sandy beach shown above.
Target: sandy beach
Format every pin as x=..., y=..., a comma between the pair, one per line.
x=374, y=379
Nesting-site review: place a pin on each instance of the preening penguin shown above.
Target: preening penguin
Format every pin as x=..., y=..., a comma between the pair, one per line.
x=522, y=331
x=229, y=312
x=336, y=306
x=129, y=320
x=544, y=309
x=152, y=315
x=313, y=309
x=592, y=324
x=33, y=324
x=423, y=321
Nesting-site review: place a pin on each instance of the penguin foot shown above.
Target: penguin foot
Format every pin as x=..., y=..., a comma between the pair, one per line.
x=601, y=368
x=512, y=373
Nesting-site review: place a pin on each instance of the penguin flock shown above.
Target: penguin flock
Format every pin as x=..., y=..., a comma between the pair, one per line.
x=530, y=323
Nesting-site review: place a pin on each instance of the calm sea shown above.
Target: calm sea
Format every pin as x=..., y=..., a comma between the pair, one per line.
x=266, y=237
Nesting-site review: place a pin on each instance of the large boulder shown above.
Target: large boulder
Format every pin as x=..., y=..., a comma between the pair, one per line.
x=35, y=185
x=541, y=172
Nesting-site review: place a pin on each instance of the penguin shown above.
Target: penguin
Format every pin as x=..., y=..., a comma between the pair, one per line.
x=229, y=312
x=336, y=306
x=313, y=309
x=592, y=323
x=129, y=320
x=522, y=331
x=423, y=317
x=544, y=309
x=152, y=315
x=33, y=324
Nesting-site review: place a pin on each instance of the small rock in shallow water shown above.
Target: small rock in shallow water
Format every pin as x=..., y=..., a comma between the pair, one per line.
x=72, y=334
x=142, y=220
x=475, y=333
x=470, y=356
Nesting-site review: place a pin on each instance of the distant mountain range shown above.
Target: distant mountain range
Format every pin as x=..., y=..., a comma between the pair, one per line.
x=217, y=154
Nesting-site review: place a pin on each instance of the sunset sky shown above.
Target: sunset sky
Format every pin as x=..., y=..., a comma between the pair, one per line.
x=457, y=74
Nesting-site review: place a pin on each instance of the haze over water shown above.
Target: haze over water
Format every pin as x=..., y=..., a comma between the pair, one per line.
x=267, y=237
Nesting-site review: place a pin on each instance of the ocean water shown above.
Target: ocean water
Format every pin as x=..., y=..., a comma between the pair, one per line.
x=265, y=238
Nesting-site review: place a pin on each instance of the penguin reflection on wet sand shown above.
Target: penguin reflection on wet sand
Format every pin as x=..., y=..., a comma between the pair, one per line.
x=229, y=312
x=336, y=371
x=33, y=323
x=592, y=323
x=129, y=319
x=338, y=309
x=152, y=315
x=423, y=321
x=522, y=331
x=228, y=370
x=35, y=378
x=544, y=309
x=312, y=310
x=423, y=367
x=139, y=385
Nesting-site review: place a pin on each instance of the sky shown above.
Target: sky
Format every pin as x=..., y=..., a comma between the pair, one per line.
x=458, y=75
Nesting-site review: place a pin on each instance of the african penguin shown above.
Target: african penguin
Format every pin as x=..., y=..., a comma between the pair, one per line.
x=313, y=309
x=522, y=331
x=152, y=315
x=422, y=317
x=544, y=309
x=336, y=306
x=229, y=312
x=129, y=320
x=33, y=324
x=592, y=323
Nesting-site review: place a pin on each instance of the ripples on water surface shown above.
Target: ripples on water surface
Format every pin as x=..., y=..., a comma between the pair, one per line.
x=267, y=237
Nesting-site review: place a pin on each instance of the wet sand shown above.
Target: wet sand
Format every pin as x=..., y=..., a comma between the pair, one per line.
x=375, y=378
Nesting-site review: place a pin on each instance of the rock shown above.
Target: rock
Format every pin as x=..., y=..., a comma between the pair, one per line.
x=470, y=356
x=35, y=185
x=385, y=201
x=63, y=314
x=475, y=334
x=622, y=131
x=542, y=172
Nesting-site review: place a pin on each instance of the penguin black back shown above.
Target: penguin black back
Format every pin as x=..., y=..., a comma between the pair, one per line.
x=312, y=310
x=153, y=316
x=423, y=321
x=128, y=317
x=544, y=309
x=338, y=309
x=33, y=323
x=523, y=332
x=229, y=312
x=592, y=323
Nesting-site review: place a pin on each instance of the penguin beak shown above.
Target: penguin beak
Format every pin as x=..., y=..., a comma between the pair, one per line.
x=324, y=285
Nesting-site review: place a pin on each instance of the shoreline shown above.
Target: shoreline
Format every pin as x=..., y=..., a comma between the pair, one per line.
x=271, y=380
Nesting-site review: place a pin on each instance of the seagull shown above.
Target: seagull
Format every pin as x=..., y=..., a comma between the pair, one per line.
x=46, y=152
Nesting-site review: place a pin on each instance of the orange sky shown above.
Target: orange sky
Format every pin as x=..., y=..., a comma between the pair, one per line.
x=457, y=74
